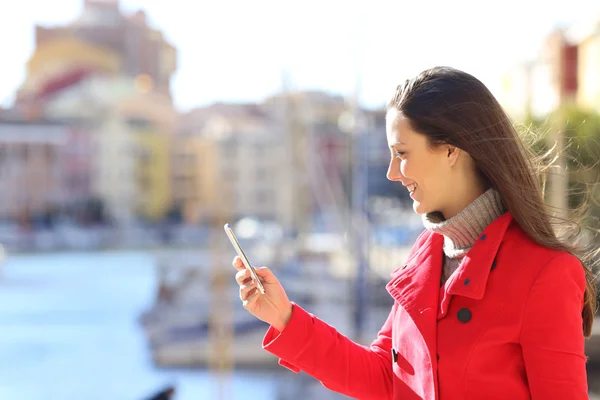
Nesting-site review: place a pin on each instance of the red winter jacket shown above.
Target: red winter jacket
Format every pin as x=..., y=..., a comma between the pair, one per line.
x=506, y=325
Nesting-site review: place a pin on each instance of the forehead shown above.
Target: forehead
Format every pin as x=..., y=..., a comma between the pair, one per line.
x=397, y=128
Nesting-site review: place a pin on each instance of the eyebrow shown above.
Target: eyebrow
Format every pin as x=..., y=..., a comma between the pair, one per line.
x=397, y=143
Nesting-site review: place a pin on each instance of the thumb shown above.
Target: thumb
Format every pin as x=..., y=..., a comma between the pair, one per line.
x=266, y=275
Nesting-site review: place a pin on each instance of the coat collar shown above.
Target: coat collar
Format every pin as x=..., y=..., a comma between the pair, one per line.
x=417, y=283
x=470, y=279
x=414, y=284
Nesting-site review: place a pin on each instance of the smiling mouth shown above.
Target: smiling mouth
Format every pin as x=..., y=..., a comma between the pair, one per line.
x=411, y=188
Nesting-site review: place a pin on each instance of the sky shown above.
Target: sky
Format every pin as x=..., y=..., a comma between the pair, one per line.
x=238, y=50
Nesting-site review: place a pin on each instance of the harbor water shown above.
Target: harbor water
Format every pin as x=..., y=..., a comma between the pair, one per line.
x=69, y=330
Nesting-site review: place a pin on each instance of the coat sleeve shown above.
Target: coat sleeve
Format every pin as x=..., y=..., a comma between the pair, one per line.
x=310, y=345
x=552, y=336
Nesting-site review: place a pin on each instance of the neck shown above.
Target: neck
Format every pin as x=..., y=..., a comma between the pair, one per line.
x=462, y=230
x=470, y=196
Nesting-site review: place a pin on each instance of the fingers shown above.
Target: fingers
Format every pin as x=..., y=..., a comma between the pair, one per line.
x=238, y=264
x=266, y=275
x=243, y=277
x=252, y=297
x=248, y=290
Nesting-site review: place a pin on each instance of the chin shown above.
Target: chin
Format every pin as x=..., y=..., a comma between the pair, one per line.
x=419, y=208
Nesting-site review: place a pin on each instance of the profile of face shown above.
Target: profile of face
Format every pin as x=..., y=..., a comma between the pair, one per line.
x=436, y=176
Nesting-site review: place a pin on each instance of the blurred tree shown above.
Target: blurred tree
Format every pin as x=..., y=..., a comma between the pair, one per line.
x=581, y=129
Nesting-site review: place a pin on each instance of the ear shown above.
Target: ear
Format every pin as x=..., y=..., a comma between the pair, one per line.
x=452, y=153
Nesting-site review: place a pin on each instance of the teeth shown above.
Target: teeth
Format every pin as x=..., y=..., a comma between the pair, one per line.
x=411, y=188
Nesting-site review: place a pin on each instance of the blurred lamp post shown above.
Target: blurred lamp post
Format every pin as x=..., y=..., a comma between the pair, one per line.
x=558, y=177
x=351, y=122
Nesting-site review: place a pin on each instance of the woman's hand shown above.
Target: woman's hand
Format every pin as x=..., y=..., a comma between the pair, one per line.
x=273, y=307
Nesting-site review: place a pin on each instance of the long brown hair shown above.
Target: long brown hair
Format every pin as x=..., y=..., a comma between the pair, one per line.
x=452, y=107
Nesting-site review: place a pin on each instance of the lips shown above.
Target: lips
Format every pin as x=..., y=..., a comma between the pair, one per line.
x=411, y=188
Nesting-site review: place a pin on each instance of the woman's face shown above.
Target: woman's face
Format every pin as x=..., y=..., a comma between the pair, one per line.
x=425, y=171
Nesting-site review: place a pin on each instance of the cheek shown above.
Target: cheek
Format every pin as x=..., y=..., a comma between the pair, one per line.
x=425, y=172
x=405, y=168
x=414, y=170
x=436, y=178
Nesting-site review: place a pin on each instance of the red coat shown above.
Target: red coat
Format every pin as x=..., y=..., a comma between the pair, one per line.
x=506, y=325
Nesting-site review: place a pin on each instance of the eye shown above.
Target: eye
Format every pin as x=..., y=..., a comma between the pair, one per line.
x=399, y=154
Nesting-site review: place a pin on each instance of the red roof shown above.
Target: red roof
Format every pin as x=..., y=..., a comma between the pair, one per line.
x=64, y=81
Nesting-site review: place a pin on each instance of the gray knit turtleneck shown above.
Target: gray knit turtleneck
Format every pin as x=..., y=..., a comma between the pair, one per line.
x=461, y=231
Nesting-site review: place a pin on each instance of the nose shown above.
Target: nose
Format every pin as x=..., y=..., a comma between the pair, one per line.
x=393, y=172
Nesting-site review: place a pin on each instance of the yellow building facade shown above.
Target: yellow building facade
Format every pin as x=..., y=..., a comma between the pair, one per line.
x=588, y=72
x=59, y=56
x=196, y=187
x=153, y=173
x=151, y=118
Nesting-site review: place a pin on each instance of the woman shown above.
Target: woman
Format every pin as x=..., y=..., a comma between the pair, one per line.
x=490, y=304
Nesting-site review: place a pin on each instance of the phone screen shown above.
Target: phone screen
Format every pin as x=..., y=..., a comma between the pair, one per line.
x=240, y=252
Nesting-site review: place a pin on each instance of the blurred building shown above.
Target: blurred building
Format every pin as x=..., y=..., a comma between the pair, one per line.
x=554, y=76
x=92, y=102
x=58, y=65
x=115, y=167
x=227, y=163
x=31, y=168
x=108, y=74
x=538, y=87
x=251, y=174
x=128, y=140
x=319, y=159
x=102, y=41
x=195, y=183
x=588, y=37
x=152, y=120
x=141, y=49
x=131, y=134
x=565, y=71
x=76, y=158
x=516, y=91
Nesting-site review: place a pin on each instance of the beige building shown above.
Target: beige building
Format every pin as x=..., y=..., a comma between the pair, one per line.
x=195, y=186
x=542, y=85
x=278, y=161
x=229, y=163
x=281, y=160
x=565, y=71
x=588, y=70
x=554, y=74
x=94, y=100
x=151, y=118
x=114, y=177
x=111, y=72
x=253, y=176
x=141, y=50
x=516, y=91
x=131, y=128
x=30, y=168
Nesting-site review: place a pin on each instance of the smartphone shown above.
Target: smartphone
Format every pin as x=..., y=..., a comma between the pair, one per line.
x=240, y=252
